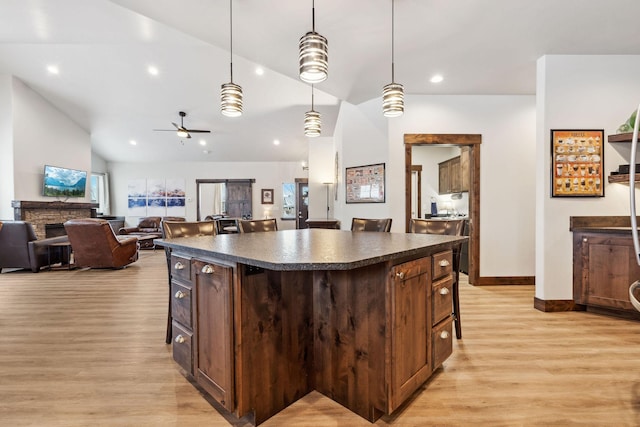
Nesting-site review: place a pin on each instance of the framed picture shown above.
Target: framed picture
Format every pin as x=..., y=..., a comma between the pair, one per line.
x=267, y=196
x=577, y=160
x=365, y=184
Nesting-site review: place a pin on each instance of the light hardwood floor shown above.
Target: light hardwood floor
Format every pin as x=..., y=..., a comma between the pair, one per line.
x=86, y=348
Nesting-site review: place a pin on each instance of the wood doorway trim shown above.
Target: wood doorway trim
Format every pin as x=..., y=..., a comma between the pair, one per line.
x=473, y=141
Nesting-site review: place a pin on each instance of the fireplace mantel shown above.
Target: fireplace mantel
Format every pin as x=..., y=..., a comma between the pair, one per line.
x=39, y=213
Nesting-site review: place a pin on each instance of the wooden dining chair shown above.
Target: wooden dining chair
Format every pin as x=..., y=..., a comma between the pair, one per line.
x=453, y=227
x=369, y=224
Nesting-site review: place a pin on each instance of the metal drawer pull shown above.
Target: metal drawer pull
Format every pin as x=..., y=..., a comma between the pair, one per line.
x=208, y=269
x=400, y=275
x=179, y=339
x=180, y=295
x=444, y=263
x=179, y=266
x=444, y=291
x=444, y=335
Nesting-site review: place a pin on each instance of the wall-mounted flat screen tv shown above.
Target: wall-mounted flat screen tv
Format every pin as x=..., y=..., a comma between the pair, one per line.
x=63, y=182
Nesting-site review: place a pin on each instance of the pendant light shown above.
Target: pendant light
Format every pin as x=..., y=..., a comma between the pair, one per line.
x=314, y=54
x=393, y=93
x=312, y=121
x=231, y=93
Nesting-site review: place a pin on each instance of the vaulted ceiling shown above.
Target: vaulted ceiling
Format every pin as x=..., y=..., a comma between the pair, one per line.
x=103, y=50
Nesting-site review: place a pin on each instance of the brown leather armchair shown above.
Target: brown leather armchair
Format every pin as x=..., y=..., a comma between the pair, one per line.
x=257, y=225
x=367, y=224
x=150, y=225
x=178, y=229
x=20, y=248
x=95, y=245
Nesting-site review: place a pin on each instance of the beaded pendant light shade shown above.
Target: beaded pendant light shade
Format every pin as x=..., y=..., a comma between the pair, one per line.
x=393, y=93
x=314, y=54
x=231, y=93
x=312, y=121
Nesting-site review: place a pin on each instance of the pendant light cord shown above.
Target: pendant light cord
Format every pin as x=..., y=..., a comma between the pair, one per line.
x=312, y=98
x=392, y=41
x=313, y=16
x=231, y=37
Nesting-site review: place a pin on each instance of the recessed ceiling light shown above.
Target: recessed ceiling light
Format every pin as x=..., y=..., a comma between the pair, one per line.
x=259, y=71
x=53, y=69
x=153, y=70
x=133, y=142
x=437, y=78
x=276, y=142
x=203, y=142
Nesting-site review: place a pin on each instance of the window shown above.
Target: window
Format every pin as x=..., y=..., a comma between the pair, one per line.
x=99, y=192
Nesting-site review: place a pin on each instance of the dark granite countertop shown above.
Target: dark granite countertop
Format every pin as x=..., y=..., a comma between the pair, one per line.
x=310, y=249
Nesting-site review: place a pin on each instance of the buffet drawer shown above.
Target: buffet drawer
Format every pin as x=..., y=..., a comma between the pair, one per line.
x=181, y=268
x=182, y=347
x=181, y=304
x=442, y=264
x=442, y=298
x=442, y=343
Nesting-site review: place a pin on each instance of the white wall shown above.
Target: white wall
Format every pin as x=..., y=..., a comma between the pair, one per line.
x=578, y=92
x=267, y=175
x=6, y=148
x=507, y=169
x=321, y=170
x=43, y=135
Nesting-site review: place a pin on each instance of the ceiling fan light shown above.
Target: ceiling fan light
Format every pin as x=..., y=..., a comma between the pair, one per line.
x=182, y=133
x=231, y=100
x=314, y=58
x=393, y=100
x=312, y=123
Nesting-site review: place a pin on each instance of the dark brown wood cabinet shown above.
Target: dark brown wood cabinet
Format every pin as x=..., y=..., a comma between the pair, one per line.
x=182, y=311
x=453, y=174
x=214, y=368
x=604, y=268
x=410, y=328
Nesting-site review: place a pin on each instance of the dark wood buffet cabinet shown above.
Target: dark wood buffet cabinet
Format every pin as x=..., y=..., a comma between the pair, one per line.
x=604, y=265
x=364, y=318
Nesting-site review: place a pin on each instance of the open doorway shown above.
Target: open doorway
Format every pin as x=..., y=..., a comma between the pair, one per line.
x=472, y=141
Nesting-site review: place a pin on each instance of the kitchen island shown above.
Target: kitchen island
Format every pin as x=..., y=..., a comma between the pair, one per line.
x=262, y=319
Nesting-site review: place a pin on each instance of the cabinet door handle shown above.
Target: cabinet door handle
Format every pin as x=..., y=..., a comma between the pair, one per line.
x=179, y=266
x=444, y=335
x=180, y=295
x=400, y=275
x=444, y=291
x=179, y=339
x=444, y=263
x=208, y=269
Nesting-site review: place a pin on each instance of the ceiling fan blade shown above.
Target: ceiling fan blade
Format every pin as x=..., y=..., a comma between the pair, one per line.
x=198, y=131
x=164, y=130
x=177, y=127
x=188, y=135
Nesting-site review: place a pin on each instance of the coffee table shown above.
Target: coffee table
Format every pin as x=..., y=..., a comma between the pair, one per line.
x=63, y=246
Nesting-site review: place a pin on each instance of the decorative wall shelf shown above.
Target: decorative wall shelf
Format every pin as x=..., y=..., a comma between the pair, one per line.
x=621, y=137
x=622, y=178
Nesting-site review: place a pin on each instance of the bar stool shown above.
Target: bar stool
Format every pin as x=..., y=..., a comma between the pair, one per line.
x=452, y=227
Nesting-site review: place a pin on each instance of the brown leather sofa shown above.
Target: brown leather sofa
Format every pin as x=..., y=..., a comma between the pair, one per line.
x=150, y=225
x=95, y=245
x=20, y=248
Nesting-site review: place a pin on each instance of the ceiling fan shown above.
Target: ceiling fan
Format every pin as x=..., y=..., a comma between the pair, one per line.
x=182, y=131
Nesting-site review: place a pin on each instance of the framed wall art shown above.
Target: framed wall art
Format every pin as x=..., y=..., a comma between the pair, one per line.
x=577, y=160
x=365, y=184
x=267, y=196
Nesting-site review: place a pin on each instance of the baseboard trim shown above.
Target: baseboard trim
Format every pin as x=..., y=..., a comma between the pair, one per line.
x=549, y=306
x=513, y=280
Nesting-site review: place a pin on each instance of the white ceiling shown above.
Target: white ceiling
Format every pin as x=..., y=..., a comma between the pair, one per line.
x=103, y=49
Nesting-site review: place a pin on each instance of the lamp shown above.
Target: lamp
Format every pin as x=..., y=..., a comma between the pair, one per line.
x=231, y=93
x=327, y=184
x=393, y=93
x=312, y=121
x=314, y=54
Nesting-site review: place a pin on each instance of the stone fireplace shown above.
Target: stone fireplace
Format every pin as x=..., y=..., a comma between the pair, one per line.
x=41, y=213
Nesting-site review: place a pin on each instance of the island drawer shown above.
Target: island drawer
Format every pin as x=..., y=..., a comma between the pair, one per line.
x=442, y=299
x=442, y=264
x=182, y=347
x=181, y=267
x=181, y=303
x=442, y=343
